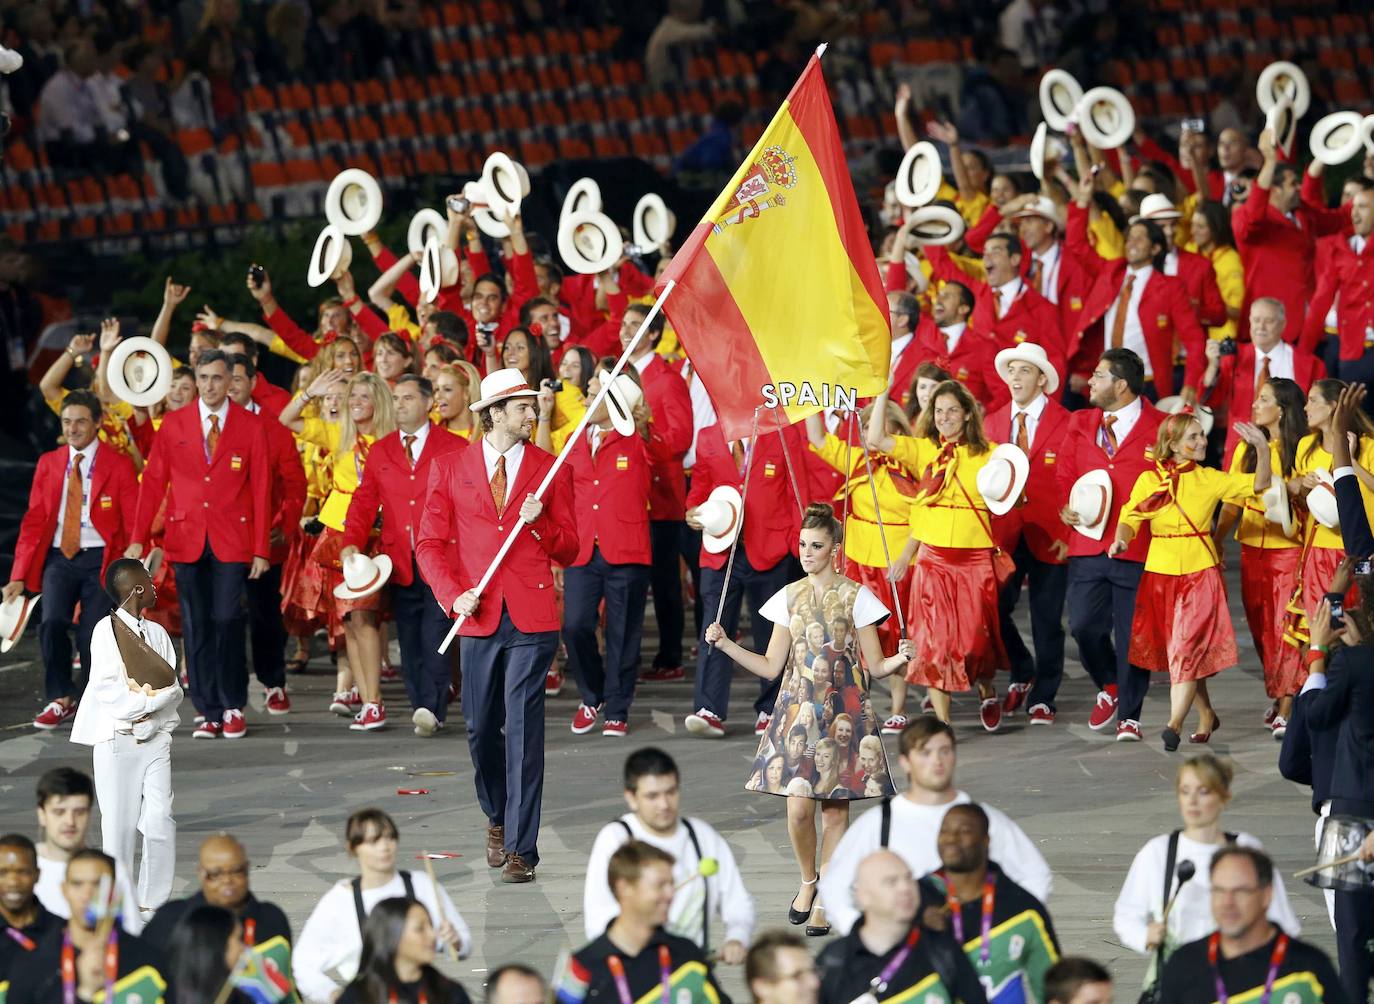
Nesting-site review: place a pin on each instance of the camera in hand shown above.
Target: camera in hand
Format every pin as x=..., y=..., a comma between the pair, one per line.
x=1228, y=347
x=257, y=275
x=557, y=387
x=1194, y=125
x=459, y=205
x=1363, y=566
x=1337, y=613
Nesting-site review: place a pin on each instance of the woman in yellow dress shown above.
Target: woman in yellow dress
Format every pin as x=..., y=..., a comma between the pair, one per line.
x=456, y=386
x=368, y=415
x=1181, y=624
x=953, y=605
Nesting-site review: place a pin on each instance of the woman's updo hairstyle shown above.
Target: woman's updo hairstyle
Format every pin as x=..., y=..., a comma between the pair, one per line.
x=821, y=516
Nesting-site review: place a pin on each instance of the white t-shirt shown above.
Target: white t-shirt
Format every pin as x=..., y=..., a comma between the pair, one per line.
x=868, y=609
x=49, y=893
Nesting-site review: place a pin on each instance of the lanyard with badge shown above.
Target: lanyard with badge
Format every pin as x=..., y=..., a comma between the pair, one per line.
x=69, y=966
x=622, y=983
x=19, y=938
x=1275, y=961
x=878, y=985
x=957, y=916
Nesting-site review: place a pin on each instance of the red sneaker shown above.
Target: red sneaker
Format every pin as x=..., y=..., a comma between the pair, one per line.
x=553, y=683
x=1280, y=728
x=207, y=730
x=705, y=723
x=927, y=706
x=373, y=716
x=234, y=725
x=1016, y=696
x=584, y=718
x=615, y=729
x=663, y=674
x=277, y=701
x=54, y=715
x=1040, y=714
x=1128, y=731
x=1103, y=712
x=1271, y=714
x=346, y=702
x=894, y=725
x=389, y=673
x=991, y=714
x=762, y=722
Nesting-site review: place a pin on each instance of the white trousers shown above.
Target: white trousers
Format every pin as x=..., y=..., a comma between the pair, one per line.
x=133, y=784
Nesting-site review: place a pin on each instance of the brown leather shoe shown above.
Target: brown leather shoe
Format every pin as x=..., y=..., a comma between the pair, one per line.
x=496, y=846
x=516, y=870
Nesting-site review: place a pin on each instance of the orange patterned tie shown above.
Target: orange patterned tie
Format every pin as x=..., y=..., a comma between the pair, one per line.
x=498, y=485
x=1123, y=303
x=410, y=452
x=1022, y=438
x=212, y=437
x=1263, y=373
x=1107, y=422
x=71, y=511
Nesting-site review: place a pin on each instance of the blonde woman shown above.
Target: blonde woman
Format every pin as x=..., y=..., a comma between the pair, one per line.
x=456, y=386
x=368, y=415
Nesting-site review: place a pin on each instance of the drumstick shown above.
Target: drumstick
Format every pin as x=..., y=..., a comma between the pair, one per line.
x=705, y=869
x=429, y=867
x=1348, y=859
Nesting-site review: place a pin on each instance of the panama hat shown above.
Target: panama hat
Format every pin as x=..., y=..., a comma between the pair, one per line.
x=331, y=258
x=425, y=224
x=506, y=182
x=1044, y=146
x=622, y=398
x=1175, y=405
x=653, y=222
x=1043, y=207
x=1091, y=499
x=720, y=517
x=1059, y=96
x=1105, y=118
x=1282, y=79
x=1157, y=206
x=583, y=196
x=1367, y=133
x=1337, y=137
x=152, y=561
x=1321, y=501
x=139, y=371
x=1282, y=122
x=353, y=202
x=438, y=269
x=1003, y=478
x=362, y=576
x=1276, y=507
x=936, y=225
x=589, y=242
x=501, y=386
x=14, y=617
x=1028, y=352
x=919, y=177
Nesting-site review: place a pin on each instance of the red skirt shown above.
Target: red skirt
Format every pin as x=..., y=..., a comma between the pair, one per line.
x=303, y=607
x=1268, y=576
x=1318, y=569
x=953, y=614
x=889, y=633
x=325, y=557
x=1182, y=626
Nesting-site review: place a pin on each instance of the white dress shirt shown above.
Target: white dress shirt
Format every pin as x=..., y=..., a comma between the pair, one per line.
x=1357, y=243
x=1133, y=335
x=513, y=457
x=1126, y=419
x=109, y=704
x=952, y=334
x=898, y=347
x=421, y=435
x=642, y=363
x=1280, y=362
x=1033, y=413
x=1049, y=272
x=89, y=536
x=1006, y=293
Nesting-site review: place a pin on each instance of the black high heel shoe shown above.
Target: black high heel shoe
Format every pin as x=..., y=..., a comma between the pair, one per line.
x=797, y=917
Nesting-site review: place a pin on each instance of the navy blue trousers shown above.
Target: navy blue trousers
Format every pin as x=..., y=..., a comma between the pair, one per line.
x=67, y=581
x=1101, y=601
x=1048, y=584
x=420, y=629
x=211, y=594
x=715, y=669
x=611, y=680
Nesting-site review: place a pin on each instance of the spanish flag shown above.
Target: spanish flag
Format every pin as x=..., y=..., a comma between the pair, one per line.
x=776, y=296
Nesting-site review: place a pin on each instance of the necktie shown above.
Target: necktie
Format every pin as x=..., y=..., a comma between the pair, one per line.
x=997, y=303
x=1037, y=270
x=71, y=510
x=1263, y=373
x=409, y=442
x=498, y=485
x=737, y=449
x=1022, y=437
x=212, y=437
x=1123, y=303
x=1107, y=422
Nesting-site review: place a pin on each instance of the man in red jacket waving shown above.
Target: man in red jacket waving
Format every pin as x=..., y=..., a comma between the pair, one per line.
x=510, y=629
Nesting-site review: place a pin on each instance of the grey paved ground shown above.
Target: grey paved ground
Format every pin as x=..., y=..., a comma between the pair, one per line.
x=287, y=788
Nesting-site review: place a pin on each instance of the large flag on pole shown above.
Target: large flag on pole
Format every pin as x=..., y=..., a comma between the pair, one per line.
x=778, y=299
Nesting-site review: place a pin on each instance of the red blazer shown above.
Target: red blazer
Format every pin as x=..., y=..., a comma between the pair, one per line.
x=1080, y=453
x=288, y=485
x=1074, y=283
x=114, y=486
x=227, y=501
x=1165, y=315
x=1235, y=386
x=391, y=486
x=1199, y=277
x=1350, y=276
x=772, y=515
x=270, y=398
x=611, y=493
x=459, y=505
x=579, y=293
x=903, y=372
x=970, y=363
x=670, y=403
x=1038, y=517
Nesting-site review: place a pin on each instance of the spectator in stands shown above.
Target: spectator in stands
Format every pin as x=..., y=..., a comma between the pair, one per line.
x=208, y=97
x=281, y=56
x=148, y=111
x=76, y=128
x=42, y=57
x=992, y=107
x=1032, y=30
x=681, y=26
x=717, y=148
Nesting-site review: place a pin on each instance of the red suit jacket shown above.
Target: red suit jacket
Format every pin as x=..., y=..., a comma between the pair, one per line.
x=1080, y=453
x=669, y=401
x=288, y=484
x=1038, y=516
x=1165, y=315
x=270, y=398
x=114, y=486
x=1199, y=277
x=1351, y=277
x=772, y=515
x=611, y=496
x=1073, y=283
x=1235, y=386
x=391, y=485
x=459, y=505
x=227, y=501
x=579, y=293
x=970, y=363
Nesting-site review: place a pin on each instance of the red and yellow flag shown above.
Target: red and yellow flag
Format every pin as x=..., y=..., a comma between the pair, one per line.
x=778, y=300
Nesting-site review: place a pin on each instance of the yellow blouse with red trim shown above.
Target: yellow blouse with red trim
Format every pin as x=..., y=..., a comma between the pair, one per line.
x=345, y=467
x=1254, y=530
x=863, y=538
x=1313, y=457
x=954, y=515
x=1180, y=530
x=112, y=431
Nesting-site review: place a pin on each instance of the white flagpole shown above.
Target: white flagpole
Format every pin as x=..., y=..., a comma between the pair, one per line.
x=563, y=455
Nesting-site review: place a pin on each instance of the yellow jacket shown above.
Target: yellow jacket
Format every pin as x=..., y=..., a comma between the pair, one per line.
x=1180, y=532
x=863, y=541
x=1231, y=282
x=1254, y=530
x=569, y=405
x=948, y=519
x=345, y=469
x=1320, y=459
